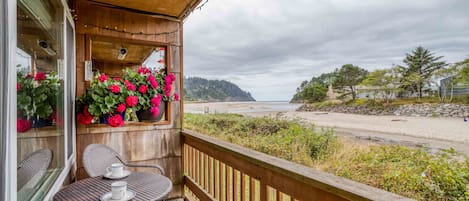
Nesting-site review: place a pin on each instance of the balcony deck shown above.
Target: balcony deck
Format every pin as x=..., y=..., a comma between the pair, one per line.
x=218, y=170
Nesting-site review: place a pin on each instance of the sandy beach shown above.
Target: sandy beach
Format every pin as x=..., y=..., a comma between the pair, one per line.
x=442, y=132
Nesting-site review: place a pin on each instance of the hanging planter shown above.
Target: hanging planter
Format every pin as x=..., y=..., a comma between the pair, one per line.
x=147, y=115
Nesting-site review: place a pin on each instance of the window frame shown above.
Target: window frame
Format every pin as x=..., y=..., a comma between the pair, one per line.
x=8, y=101
x=89, y=38
x=69, y=161
x=8, y=98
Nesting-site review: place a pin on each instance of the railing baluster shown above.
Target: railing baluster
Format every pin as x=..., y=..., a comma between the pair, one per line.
x=207, y=178
x=196, y=176
x=215, y=179
x=212, y=180
x=235, y=185
x=200, y=166
x=262, y=191
x=252, y=189
x=227, y=183
x=243, y=188
x=279, y=196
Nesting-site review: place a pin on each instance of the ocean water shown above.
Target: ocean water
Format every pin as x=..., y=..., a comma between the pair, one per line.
x=240, y=107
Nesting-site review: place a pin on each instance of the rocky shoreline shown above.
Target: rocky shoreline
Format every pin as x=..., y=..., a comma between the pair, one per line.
x=414, y=110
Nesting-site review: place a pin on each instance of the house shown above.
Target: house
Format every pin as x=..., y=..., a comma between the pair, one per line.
x=50, y=50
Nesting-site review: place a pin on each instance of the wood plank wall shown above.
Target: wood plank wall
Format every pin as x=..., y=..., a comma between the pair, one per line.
x=143, y=143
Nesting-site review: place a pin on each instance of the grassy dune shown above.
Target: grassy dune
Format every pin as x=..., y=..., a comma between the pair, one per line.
x=407, y=171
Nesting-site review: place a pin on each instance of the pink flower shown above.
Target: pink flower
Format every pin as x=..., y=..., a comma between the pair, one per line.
x=23, y=125
x=18, y=86
x=120, y=108
x=152, y=81
x=102, y=77
x=167, y=90
x=143, y=89
x=172, y=77
x=114, y=88
x=168, y=80
x=85, y=118
x=40, y=76
x=155, y=111
x=131, y=101
x=130, y=86
x=115, y=121
x=143, y=70
x=176, y=97
x=156, y=101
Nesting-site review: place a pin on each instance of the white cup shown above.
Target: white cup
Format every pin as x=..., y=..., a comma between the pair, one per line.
x=118, y=190
x=116, y=169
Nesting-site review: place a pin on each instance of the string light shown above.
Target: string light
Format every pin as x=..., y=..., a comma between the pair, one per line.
x=132, y=33
x=201, y=5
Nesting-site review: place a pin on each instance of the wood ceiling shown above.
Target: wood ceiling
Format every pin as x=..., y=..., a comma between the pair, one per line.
x=170, y=8
x=109, y=51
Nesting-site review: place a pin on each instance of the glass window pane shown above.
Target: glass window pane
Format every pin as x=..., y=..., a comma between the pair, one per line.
x=40, y=96
x=70, y=86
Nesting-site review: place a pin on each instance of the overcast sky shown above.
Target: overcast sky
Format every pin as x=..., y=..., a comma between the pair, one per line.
x=268, y=47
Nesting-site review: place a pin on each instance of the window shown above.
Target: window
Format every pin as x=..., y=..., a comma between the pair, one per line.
x=44, y=96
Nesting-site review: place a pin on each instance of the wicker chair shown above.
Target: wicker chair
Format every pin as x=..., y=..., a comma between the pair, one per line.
x=33, y=167
x=97, y=157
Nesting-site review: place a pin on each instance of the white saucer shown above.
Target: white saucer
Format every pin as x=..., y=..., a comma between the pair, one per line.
x=108, y=196
x=124, y=174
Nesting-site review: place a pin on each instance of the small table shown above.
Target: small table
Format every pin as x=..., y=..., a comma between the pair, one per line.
x=148, y=186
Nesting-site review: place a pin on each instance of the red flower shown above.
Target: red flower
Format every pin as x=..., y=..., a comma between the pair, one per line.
x=143, y=89
x=23, y=125
x=152, y=81
x=156, y=101
x=143, y=70
x=176, y=97
x=120, y=108
x=40, y=76
x=115, y=121
x=85, y=111
x=102, y=78
x=131, y=101
x=155, y=111
x=84, y=119
x=114, y=88
x=18, y=86
x=161, y=48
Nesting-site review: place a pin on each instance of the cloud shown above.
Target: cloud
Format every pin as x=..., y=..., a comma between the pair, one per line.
x=268, y=47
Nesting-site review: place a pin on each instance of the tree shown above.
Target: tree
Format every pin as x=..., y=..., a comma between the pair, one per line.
x=385, y=82
x=315, y=92
x=349, y=76
x=463, y=72
x=421, y=64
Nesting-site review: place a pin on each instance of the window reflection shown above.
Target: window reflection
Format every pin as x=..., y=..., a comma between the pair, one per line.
x=40, y=96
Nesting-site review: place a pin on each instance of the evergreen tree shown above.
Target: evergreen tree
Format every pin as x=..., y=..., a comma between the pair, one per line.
x=421, y=64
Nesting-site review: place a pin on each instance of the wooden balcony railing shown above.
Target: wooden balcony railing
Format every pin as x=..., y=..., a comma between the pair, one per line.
x=218, y=170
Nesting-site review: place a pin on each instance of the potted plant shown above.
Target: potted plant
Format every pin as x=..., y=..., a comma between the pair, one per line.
x=104, y=99
x=37, y=99
x=154, y=88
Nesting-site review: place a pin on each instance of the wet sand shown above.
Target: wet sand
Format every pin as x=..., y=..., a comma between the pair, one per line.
x=441, y=133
